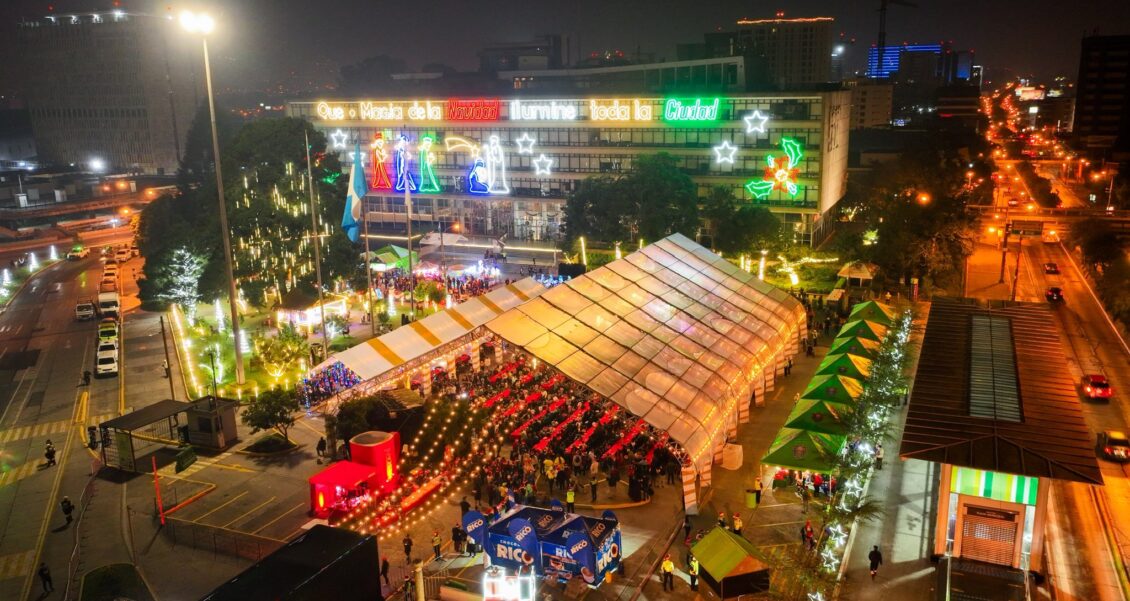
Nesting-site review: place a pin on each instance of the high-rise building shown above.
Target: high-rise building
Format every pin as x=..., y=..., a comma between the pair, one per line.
x=872, y=102
x=780, y=53
x=893, y=57
x=1102, y=98
x=115, y=89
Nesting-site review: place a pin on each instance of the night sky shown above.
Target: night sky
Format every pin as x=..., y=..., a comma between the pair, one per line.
x=261, y=40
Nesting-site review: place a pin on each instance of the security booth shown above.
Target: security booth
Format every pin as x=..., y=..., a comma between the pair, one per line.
x=994, y=405
x=126, y=441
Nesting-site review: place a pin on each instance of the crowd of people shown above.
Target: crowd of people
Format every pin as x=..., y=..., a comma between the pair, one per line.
x=560, y=439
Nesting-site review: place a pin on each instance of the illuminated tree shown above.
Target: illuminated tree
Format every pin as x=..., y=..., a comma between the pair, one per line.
x=183, y=275
x=280, y=353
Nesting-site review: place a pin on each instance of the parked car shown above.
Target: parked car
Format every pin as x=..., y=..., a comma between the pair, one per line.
x=122, y=255
x=107, y=330
x=1096, y=386
x=1113, y=446
x=107, y=345
x=106, y=363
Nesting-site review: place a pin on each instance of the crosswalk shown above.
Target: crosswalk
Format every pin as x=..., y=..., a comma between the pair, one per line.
x=10, y=474
x=16, y=565
x=199, y=464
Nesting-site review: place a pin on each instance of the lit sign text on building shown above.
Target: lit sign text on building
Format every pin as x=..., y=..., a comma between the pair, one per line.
x=681, y=109
x=524, y=110
x=616, y=110
x=481, y=109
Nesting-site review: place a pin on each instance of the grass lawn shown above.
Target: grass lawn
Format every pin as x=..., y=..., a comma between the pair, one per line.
x=115, y=581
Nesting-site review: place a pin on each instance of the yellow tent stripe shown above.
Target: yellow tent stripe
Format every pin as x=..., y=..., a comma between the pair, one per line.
x=424, y=333
x=517, y=292
x=453, y=313
x=490, y=305
x=384, y=351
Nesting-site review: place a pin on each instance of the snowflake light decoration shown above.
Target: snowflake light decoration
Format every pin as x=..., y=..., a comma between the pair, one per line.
x=781, y=172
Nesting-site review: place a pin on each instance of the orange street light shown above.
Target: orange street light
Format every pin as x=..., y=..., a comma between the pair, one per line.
x=923, y=198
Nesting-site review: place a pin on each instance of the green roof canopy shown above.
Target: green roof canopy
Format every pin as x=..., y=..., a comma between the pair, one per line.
x=722, y=554
x=873, y=311
x=804, y=450
x=838, y=389
x=861, y=347
x=843, y=364
x=394, y=257
x=821, y=416
x=863, y=329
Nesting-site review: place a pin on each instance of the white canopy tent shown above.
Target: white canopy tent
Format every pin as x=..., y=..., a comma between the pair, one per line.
x=673, y=333
x=377, y=356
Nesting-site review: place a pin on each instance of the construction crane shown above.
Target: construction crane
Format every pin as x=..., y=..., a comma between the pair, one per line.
x=883, y=30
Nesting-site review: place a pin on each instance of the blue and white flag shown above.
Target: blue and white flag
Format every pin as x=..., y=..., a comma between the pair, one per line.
x=351, y=220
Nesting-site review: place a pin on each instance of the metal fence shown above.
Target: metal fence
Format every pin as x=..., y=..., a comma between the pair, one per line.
x=219, y=540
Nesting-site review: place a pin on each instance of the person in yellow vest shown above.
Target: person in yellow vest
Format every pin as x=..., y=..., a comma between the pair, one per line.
x=692, y=571
x=437, y=542
x=569, y=497
x=737, y=524
x=757, y=487
x=668, y=574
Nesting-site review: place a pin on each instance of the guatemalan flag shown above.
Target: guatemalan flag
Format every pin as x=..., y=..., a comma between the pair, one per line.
x=351, y=220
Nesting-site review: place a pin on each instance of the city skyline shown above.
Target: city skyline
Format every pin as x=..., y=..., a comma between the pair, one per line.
x=277, y=38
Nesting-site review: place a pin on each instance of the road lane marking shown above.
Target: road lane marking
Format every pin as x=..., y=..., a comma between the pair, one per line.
x=32, y=431
x=221, y=506
x=250, y=511
x=281, y=516
x=15, y=565
x=15, y=475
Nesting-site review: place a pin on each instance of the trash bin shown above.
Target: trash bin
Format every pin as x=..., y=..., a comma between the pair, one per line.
x=750, y=498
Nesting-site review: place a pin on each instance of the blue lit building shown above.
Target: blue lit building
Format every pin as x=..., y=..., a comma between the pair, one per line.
x=893, y=56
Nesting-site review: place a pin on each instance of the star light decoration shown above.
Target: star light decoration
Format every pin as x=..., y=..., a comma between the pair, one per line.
x=838, y=535
x=831, y=562
x=337, y=139
x=755, y=122
x=817, y=596
x=724, y=152
x=781, y=172
x=542, y=165
x=525, y=143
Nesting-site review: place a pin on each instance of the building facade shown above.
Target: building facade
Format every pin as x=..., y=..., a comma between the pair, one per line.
x=872, y=103
x=111, y=89
x=780, y=53
x=505, y=166
x=1102, y=97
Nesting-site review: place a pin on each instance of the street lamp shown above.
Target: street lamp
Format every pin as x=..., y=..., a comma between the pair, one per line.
x=923, y=199
x=202, y=24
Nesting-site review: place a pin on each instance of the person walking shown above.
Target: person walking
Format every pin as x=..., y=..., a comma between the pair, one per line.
x=45, y=578
x=687, y=528
x=409, y=588
x=878, y=457
x=668, y=574
x=805, y=497
x=788, y=366
x=757, y=488
x=68, y=508
x=457, y=538
x=384, y=570
x=876, y=559
x=321, y=448
x=437, y=542
x=49, y=453
x=570, y=497
x=692, y=571
x=592, y=489
x=464, y=506
x=407, y=542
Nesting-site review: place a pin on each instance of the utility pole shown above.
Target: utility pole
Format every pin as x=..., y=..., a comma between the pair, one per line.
x=1016, y=271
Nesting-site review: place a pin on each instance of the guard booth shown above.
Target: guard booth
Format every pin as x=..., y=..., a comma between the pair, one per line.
x=128, y=440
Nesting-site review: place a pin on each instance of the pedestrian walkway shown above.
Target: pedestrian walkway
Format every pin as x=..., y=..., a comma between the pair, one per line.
x=779, y=517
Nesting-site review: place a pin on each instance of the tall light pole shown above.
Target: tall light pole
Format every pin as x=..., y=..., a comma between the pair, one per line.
x=203, y=24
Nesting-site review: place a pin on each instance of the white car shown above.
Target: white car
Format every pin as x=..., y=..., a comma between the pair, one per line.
x=110, y=268
x=78, y=253
x=108, y=345
x=84, y=311
x=123, y=255
x=106, y=363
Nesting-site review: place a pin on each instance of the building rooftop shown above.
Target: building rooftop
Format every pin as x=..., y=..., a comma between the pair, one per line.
x=993, y=392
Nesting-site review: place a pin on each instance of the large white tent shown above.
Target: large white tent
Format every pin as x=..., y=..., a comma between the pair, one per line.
x=673, y=333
